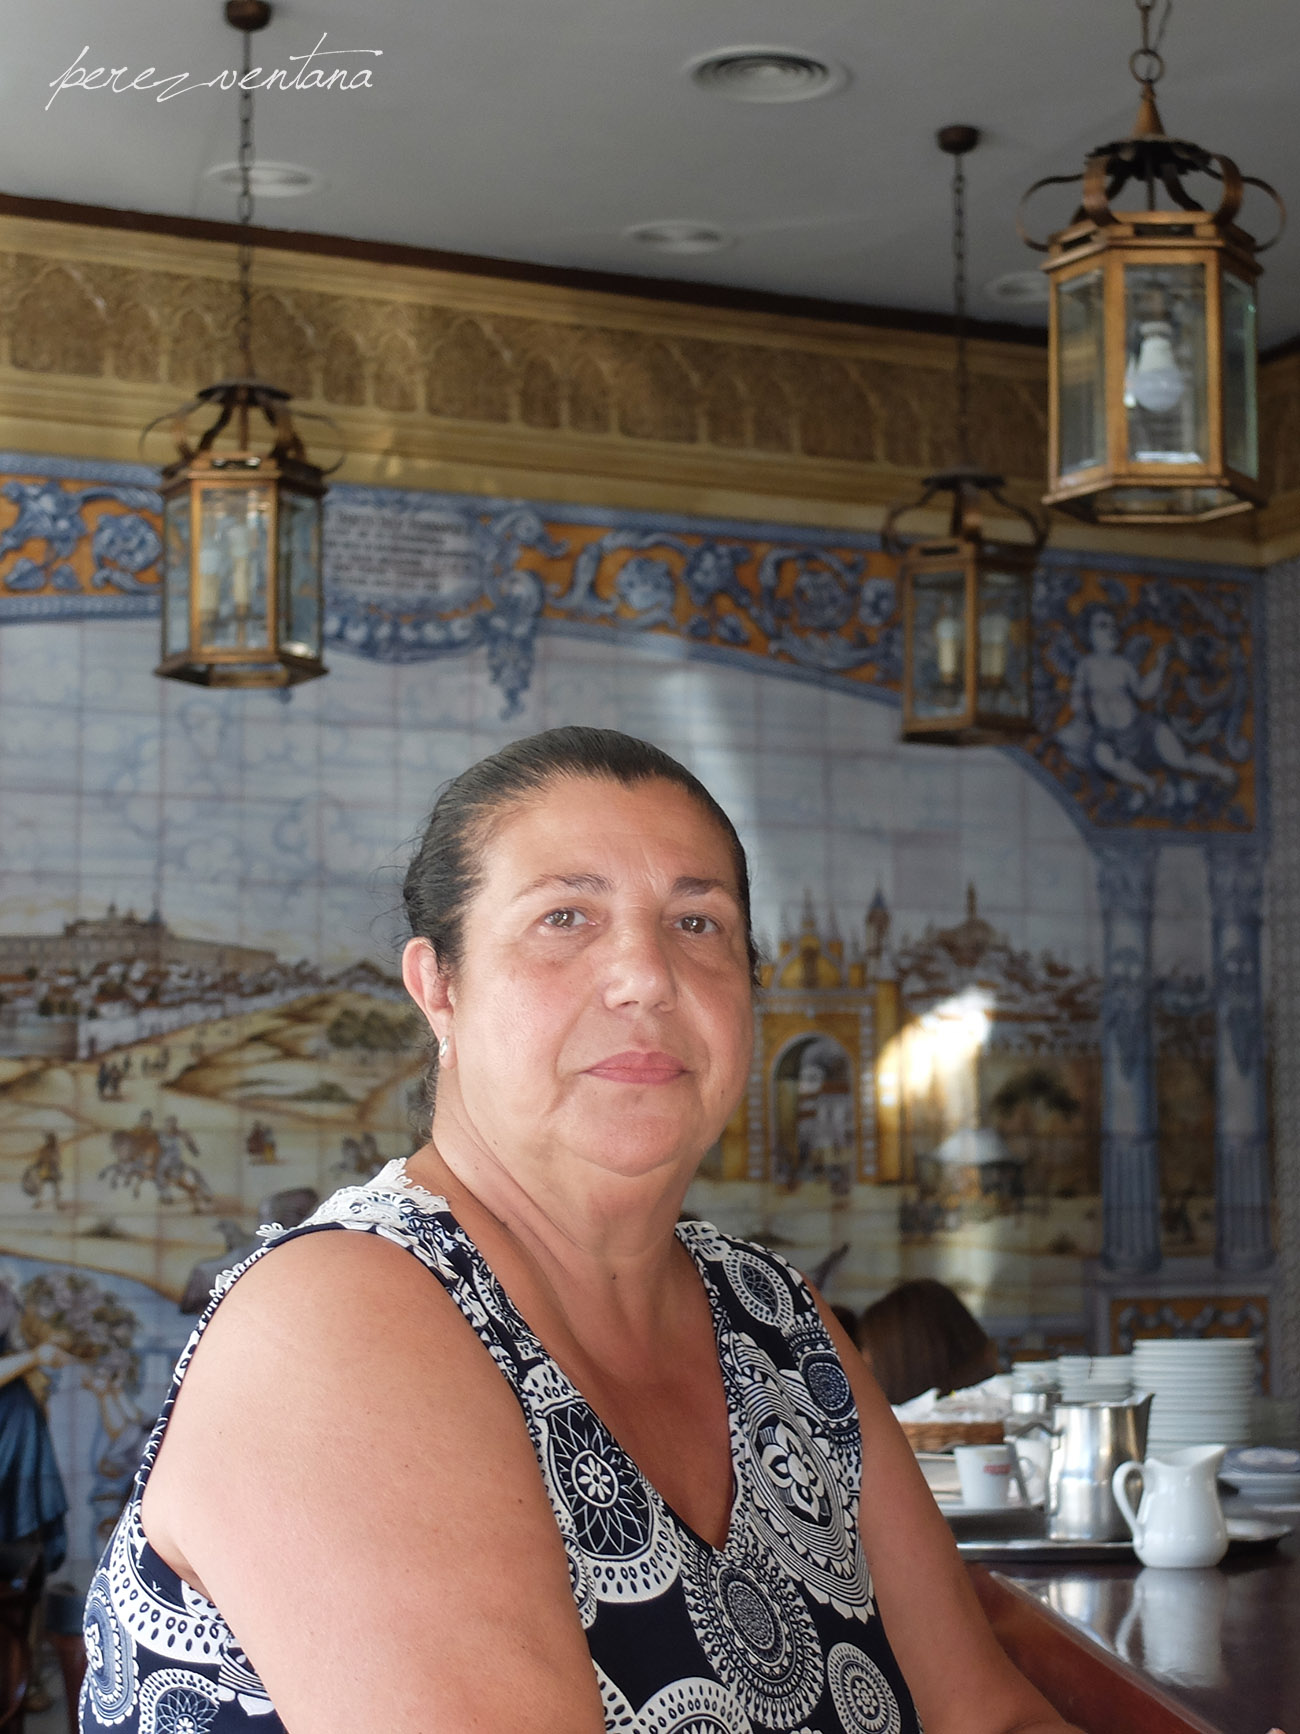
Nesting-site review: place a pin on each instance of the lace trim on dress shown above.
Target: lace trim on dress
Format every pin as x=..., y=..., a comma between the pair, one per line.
x=392, y=1177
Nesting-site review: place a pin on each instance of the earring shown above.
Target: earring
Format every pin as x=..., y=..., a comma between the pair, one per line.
x=444, y=1047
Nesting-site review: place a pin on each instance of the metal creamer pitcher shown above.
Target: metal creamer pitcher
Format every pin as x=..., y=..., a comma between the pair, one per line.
x=1088, y=1443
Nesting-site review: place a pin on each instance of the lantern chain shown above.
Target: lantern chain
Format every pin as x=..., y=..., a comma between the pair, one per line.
x=1146, y=63
x=959, y=307
x=244, y=325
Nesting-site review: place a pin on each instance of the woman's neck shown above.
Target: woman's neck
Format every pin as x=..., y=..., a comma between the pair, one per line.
x=598, y=1248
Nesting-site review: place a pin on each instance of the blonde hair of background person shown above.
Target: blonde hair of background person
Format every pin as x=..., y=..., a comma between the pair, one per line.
x=347, y=1475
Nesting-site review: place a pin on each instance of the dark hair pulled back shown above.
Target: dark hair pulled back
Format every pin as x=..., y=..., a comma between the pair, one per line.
x=447, y=869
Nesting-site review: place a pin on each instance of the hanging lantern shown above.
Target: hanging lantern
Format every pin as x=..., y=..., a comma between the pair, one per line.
x=242, y=598
x=966, y=602
x=967, y=620
x=242, y=545
x=1153, y=345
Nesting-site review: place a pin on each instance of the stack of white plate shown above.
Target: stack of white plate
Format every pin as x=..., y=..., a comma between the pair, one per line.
x=1202, y=1388
x=1034, y=1376
x=1095, y=1378
x=1264, y=1474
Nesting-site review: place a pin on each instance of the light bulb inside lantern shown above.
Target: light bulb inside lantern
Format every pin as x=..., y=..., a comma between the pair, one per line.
x=237, y=546
x=948, y=646
x=1155, y=382
x=995, y=643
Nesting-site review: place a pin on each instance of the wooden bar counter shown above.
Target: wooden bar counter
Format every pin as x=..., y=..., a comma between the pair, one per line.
x=1122, y=1650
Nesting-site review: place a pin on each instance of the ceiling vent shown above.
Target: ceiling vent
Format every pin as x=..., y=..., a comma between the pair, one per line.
x=679, y=236
x=1019, y=289
x=766, y=75
x=268, y=180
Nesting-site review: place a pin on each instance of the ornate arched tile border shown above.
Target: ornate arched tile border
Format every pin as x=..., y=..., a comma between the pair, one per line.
x=1146, y=694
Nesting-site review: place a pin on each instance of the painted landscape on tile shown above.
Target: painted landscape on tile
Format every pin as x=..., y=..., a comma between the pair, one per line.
x=202, y=1028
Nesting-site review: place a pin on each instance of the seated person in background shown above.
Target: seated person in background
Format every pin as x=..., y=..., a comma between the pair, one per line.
x=919, y=1337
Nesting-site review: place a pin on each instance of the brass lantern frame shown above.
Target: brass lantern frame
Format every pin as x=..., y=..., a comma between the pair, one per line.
x=964, y=550
x=201, y=470
x=1100, y=238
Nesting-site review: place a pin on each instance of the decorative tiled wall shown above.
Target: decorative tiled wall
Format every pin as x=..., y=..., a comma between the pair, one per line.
x=224, y=866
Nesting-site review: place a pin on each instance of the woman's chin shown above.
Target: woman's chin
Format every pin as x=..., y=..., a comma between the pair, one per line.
x=634, y=1152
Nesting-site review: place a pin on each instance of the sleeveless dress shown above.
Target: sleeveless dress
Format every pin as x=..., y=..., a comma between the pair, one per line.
x=778, y=1630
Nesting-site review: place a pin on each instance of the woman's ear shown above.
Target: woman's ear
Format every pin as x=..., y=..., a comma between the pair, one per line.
x=427, y=984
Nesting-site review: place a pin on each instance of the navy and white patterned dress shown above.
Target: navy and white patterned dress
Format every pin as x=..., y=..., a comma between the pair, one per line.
x=778, y=1630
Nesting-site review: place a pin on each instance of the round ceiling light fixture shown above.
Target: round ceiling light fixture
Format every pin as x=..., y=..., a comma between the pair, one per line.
x=269, y=180
x=679, y=235
x=766, y=75
x=1019, y=289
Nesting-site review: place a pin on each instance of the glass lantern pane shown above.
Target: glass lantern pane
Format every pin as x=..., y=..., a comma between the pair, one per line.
x=1240, y=421
x=1165, y=393
x=1003, y=656
x=1081, y=372
x=300, y=559
x=938, y=671
x=233, y=551
x=176, y=575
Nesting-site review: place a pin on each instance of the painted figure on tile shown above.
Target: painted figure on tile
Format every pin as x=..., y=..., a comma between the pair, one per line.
x=360, y=1158
x=260, y=1144
x=814, y=1103
x=71, y=1318
x=135, y=1155
x=45, y=1169
x=1111, y=731
x=174, y=1143
x=108, y=1081
x=143, y=1154
x=33, y=1503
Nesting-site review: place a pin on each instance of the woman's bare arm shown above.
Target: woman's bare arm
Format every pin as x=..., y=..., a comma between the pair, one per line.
x=958, y=1673
x=348, y=1477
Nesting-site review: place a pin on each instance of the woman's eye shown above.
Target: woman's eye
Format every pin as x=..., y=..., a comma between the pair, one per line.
x=564, y=918
x=698, y=924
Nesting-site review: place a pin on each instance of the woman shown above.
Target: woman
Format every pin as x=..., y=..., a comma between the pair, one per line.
x=569, y=1467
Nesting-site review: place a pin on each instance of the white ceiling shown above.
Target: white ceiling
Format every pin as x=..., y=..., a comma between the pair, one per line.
x=541, y=129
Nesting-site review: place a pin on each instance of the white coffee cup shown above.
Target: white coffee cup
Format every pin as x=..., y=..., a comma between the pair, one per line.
x=987, y=1475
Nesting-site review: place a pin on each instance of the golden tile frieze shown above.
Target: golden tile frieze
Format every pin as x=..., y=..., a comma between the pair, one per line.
x=435, y=376
x=153, y=310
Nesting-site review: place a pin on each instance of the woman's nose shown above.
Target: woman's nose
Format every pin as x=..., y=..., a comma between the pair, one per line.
x=638, y=967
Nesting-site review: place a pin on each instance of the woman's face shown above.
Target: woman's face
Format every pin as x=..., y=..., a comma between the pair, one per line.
x=602, y=1013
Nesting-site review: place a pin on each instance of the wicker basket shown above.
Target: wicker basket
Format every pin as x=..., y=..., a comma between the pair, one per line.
x=939, y=1435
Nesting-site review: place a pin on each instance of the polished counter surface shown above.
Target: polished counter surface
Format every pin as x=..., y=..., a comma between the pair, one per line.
x=1119, y=1647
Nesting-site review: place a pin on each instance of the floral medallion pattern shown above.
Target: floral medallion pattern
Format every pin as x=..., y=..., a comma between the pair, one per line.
x=802, y=1505
x=607, y=1509
x=756, y=1632
x=773, y=1631
x=863, y=1696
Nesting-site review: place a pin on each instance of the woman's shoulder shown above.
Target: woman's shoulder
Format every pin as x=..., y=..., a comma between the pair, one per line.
x=390, y=1197
x=388, y=1205
x=388, y=1217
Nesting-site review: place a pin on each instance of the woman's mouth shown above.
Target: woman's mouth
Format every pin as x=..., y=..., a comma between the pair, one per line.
x=638, y=1067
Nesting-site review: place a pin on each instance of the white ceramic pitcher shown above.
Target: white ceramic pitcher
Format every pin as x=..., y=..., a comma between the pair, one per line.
x=1179, y=1521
